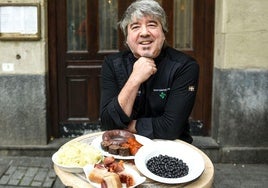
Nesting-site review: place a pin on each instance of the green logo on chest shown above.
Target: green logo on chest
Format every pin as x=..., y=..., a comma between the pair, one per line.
x=162, y=95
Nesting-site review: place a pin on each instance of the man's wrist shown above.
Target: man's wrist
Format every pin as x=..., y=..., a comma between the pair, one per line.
x=132, y=127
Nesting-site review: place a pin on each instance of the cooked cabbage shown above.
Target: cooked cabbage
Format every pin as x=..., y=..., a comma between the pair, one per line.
x=78, y=154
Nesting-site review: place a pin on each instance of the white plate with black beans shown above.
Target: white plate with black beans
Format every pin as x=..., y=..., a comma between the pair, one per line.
x=169, y=162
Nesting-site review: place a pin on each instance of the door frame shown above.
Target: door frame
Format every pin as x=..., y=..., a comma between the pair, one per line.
x=52, y=71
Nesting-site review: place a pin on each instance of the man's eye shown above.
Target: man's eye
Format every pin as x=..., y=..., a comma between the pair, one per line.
x=152, y=25
x=134, y=27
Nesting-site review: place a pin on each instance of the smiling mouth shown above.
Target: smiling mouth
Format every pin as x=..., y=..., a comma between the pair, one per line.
x=145, y=42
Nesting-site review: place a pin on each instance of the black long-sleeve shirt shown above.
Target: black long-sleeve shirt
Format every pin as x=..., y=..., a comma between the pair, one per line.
x=163, y=103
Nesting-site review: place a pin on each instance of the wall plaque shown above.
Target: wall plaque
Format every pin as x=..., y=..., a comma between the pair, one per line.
x=19, y=21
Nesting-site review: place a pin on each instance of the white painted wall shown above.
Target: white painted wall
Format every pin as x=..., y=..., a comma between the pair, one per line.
x=33, y=53
x=241, y=34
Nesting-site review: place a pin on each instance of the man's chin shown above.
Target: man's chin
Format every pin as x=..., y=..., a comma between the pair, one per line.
x=147, y=54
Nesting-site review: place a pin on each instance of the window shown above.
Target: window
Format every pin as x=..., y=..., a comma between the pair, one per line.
x=108, y=32
x=76, y=25
x=183, y=24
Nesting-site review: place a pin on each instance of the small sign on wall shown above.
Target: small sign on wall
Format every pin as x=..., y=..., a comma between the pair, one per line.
x=19, y=21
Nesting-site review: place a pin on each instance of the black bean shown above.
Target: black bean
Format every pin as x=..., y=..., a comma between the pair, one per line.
x=167, y=167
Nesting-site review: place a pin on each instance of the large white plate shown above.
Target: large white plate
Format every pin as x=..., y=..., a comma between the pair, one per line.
x=190, y=156
x=136, y=176
x=141, y=139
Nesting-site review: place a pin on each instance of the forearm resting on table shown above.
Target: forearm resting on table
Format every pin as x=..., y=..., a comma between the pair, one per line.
x=128, y=95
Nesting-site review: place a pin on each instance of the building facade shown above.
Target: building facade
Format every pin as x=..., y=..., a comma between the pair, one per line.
x=239, y=113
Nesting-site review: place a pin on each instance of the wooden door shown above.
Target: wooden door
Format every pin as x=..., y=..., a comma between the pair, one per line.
x=79, y=35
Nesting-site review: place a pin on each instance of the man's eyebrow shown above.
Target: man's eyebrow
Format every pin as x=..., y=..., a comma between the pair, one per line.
x=153, y=21
x=136, y=23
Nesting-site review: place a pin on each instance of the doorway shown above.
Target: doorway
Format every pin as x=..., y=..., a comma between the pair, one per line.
x=82, y=32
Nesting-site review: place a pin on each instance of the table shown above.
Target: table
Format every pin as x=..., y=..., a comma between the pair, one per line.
x=78, y=181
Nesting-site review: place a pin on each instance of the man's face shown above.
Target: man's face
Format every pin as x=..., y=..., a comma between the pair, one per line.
x=145, y=37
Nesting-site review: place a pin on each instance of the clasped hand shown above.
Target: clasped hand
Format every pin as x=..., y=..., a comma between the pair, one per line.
x=143, y=68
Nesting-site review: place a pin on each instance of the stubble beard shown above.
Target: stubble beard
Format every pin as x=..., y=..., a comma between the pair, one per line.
x=147, y=54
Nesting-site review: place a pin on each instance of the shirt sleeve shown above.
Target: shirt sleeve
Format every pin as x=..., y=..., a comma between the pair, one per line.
x=111, y=113
x=173, y=123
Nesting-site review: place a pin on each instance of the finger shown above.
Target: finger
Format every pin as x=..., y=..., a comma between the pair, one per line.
x=154, y=70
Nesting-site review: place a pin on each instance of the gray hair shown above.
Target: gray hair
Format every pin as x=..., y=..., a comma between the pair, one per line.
x=141, y=8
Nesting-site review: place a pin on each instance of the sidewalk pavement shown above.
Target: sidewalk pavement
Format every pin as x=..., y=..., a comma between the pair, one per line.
x=33, y=172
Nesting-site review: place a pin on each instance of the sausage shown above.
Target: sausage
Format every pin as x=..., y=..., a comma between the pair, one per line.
x=117, y=136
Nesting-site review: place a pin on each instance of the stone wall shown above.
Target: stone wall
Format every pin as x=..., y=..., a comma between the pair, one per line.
x=23, y=112
x=240, y=87
x=23, y=89
x=240, y=113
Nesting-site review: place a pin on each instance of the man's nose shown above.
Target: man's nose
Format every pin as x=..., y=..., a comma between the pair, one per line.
x=144, y=31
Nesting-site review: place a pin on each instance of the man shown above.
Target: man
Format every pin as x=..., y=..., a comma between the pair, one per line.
x=149, y=89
